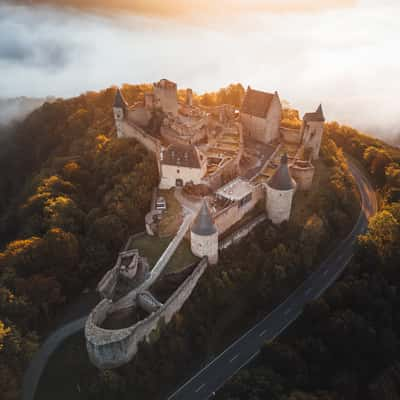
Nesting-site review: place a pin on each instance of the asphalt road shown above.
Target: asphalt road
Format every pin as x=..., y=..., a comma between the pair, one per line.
x=39, y=361
x=242, y=351
x=222, y=368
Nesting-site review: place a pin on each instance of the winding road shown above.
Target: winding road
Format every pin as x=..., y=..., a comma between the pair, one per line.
x=213, y=376
x=241, y=352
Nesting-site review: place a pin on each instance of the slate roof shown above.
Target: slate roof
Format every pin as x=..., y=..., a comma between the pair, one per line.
x=203, y=225
x=315, y=116
x=184, y=155
x=119, y=101
x=281, y=179
x=256, y=103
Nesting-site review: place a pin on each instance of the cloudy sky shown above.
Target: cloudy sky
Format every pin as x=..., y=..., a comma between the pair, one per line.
x=343, y=53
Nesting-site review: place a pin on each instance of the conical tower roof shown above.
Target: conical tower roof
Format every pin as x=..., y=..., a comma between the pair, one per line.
x=281, y=179
x=315, y=116
x=119, y=101
x=203, y=224
x=320, y=113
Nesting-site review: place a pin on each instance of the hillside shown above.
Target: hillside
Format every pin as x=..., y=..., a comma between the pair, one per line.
x=71, y=195
x=17, y=108
x=346, y=344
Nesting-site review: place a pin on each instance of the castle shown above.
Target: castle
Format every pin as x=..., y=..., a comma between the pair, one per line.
x=241, y=158
x=230, y=160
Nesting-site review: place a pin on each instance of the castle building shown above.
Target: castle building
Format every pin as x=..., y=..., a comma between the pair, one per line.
x=181, y=164
x=204, y=236
x=311, y=131
x=189, y=97
x=120, y=110
x=261, y=114
x=280, y=191
x=166, y=96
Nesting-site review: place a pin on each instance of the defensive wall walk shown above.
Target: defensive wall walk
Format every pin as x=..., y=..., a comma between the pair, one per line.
x=40, y=359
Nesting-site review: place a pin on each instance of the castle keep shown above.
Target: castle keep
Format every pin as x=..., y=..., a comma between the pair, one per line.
x=223, y=165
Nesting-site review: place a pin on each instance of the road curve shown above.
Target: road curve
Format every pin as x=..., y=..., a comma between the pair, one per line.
x=213, y=376
x=39, y=361
x=223, y=367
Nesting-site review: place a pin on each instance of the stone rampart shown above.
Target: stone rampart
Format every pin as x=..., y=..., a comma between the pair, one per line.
x=108, y=283
x=303, y=173
x=243, y=231
x=291, y=136
x=139, y=116
x=133, y=131
x=230, y=168
x=113, y=348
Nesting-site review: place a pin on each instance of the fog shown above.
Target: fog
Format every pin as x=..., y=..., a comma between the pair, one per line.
x=343, y=54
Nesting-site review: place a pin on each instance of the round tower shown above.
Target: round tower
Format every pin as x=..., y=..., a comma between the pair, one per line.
x=204, y=236
x=119, y=108
x=280, y=191
x=303, y=173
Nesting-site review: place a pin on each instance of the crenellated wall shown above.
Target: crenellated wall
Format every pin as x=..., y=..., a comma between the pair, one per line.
x=113, y=348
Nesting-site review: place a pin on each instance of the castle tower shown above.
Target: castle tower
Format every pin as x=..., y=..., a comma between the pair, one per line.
x=189, y=97
x=120, y=107
x=280, y=191
x=311, y=131
x=166, y=96
x=204, y=236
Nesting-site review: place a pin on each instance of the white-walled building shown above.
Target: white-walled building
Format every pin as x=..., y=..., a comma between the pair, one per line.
x=261, y=114
x=181, y=164
x=280, y=190
x=204, y=236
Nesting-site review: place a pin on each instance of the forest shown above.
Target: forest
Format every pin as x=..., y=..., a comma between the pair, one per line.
x=71, y=195
x=235, y=294
x=346, y=344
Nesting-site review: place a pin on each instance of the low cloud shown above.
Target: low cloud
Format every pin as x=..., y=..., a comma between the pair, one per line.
x=329, y=57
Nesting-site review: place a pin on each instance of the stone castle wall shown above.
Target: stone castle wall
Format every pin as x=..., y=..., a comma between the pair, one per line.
x=312, y=132
x=166, y=97
x=192, y=137
x=170, y=173
x=113, y=348
x=139, y=116
x=228, y=170
x=303, y=173
x=279, y=204
x=291, y=136
x=238, y=235
x=232, y=214
x=108, y=283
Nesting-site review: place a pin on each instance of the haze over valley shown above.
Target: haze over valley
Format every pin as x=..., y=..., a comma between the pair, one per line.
x=340, y=53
